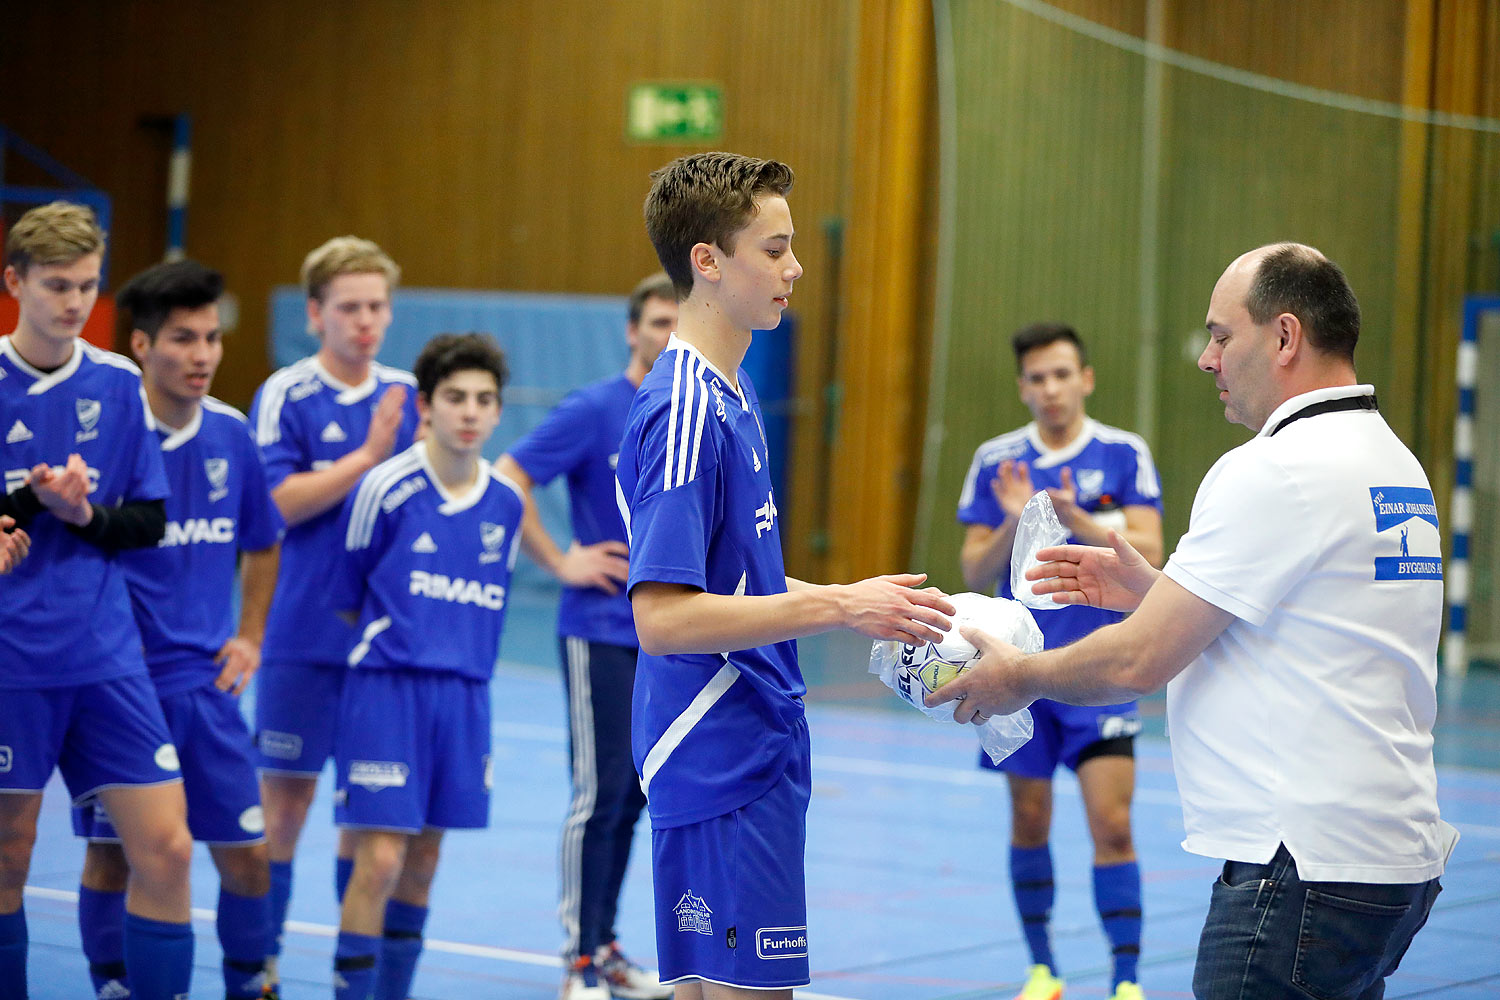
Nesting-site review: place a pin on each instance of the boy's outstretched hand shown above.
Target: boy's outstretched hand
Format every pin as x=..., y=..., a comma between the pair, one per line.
x=890, y=607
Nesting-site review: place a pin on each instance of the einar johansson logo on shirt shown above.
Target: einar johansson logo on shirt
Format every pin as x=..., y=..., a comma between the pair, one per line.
x=1394, y=506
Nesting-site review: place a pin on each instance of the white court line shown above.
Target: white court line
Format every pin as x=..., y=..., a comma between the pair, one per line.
x=430, y=944
x=958, y=777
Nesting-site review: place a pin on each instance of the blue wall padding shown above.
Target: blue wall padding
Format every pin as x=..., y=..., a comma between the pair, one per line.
x=553, y=344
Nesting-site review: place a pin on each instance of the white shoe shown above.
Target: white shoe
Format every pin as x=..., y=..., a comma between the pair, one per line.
x=626, y=980
x=583, y=982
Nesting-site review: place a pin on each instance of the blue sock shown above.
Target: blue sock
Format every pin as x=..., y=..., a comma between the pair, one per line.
x=1117, y=894
x=355, y=963
x=281, y=895
x=159, y=956
x=400, y=949
x=342, y=869
x=1031, y=880
x=13, y=953
x=245, y=936
x=101, y=924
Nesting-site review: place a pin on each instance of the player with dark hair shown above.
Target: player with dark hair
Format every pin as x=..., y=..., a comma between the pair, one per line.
x=581, y=440
x=429, y=537
x=1099, y=478
x=182, y=592
x=84, y=478
x=718, y=729
x=321, y=424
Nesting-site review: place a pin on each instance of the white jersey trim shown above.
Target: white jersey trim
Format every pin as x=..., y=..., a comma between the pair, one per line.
x=273, y=398
x=1147, y=483
x=371, y=490
x=453, y=503
x=984, y=454
x=373, y=629
x=684, y=723
x=219, y=406
x=179, y=436
x=687, y=412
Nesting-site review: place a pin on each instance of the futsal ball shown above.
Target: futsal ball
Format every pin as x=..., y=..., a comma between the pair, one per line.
x=927, y=667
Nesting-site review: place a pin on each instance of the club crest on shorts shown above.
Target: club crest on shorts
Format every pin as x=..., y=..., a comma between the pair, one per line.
x=491, y=536
x=88, y=418
x=693, y=914
x=217, y=470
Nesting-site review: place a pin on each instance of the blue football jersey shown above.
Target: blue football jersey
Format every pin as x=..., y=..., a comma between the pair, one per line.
x=1112, y=469
x=305, y=419
x=581, y=438
x=183, y=590
x=710, y=731
x=65, y=614
x=426, y=570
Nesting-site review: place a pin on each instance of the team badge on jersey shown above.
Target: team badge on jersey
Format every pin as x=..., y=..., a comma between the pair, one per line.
x=1090, y=483
x=693, y=914
x=492, y=537
x=88, y=418
x=217, y=470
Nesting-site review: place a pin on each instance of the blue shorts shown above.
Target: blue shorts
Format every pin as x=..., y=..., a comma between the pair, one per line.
x=296, y=716
x=413, y=751
x=1070, y=735
x=731, y=893
x=218, y=773
x=99, y=735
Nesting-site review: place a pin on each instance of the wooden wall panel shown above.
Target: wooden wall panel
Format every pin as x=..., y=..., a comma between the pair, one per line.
x=481, y=142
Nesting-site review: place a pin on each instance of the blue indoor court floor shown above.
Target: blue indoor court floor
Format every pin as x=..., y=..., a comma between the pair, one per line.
x=907, y=886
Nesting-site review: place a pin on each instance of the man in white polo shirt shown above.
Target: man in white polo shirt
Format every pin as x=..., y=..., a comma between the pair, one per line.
x=1297, y=623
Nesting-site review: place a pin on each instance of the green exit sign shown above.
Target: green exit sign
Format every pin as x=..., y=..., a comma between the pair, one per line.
x=674, y=112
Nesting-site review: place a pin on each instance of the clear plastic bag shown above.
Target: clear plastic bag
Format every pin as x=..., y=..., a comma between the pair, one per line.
x=1037, y=528
x=899, y=667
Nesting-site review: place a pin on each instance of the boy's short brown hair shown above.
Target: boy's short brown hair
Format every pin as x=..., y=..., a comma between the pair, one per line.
x=345, y=255
x=706, y=198
x=59, y=232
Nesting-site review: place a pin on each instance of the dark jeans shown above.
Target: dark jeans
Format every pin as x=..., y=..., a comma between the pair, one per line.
x=1270, y=935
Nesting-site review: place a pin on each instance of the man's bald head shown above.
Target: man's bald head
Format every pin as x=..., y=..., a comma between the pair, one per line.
x=1297, y=279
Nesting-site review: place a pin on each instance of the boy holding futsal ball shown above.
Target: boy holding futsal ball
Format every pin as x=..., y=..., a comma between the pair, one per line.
x=718, y=730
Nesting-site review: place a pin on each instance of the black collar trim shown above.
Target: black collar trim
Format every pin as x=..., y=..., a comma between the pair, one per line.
x=1329, y=406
